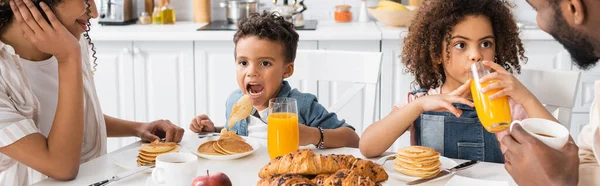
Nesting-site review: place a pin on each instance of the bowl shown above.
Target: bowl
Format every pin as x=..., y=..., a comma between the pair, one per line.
x=394, y=18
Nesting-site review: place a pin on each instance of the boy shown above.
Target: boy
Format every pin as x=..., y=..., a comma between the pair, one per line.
x=265, y=49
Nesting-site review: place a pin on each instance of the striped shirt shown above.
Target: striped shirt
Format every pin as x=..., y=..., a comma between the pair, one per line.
x=19, y=114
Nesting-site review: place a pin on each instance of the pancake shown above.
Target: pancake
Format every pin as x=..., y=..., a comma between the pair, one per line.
x=229, y=134
x=411, y=152
x=233, y=146
x=145, y=153
x=413, y=173
x=157, y=147
x=218, y=149
x=417, y=161
x=207, y=148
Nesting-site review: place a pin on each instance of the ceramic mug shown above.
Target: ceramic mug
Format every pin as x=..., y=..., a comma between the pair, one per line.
x=551, y=133
x=175, y=169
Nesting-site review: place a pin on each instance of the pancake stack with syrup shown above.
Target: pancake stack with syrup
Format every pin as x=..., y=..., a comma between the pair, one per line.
x=417, y=161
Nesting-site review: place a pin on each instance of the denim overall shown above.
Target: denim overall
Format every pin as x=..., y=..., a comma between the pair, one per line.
x=457, y=137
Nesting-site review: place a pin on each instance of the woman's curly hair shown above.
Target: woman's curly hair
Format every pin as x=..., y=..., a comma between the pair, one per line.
x=6, y=15
x=433, y=24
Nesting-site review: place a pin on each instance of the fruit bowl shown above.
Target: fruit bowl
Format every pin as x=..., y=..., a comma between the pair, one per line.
x=394, y=18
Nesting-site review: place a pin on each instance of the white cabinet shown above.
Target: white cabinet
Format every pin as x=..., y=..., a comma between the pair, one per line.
x=164, y=81
x=145, y=81
x=114, y=84
x=395, y=83
x=215, y=76
x=546, y=54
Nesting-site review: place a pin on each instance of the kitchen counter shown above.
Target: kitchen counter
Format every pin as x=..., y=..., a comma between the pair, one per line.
x=186, y=31
x=326, y=31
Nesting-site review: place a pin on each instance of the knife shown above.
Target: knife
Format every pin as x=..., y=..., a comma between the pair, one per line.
x=462, y=166
x=123, y=175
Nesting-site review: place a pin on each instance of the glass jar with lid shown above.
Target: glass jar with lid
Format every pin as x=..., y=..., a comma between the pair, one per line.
x=342, y=14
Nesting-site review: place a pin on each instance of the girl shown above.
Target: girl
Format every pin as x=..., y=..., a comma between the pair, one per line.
x=445, y=38
x=50, y=118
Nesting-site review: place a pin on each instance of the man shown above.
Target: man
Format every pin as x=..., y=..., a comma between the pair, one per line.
x=576, y=25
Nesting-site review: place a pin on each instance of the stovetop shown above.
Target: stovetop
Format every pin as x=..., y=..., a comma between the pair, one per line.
x=224, y=25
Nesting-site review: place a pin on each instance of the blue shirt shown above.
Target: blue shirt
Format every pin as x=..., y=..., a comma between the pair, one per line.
x=310, y=112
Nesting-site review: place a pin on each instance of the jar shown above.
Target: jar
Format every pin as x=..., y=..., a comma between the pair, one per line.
x=145, y=19
x=343, y=14
x=156, y=17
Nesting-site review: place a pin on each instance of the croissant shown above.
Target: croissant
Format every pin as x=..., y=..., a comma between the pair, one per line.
x=320, y=179
x=369, y=169
x=285, y=180
x=305, y=162
x=348, y=177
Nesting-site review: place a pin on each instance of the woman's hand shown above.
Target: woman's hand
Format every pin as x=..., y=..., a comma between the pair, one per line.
x=51, y=38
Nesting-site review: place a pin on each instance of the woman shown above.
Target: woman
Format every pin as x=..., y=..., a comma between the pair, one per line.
x=50, y=118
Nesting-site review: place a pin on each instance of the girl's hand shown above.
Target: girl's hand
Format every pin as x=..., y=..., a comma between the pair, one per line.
x=51, y=38
x=506, y=84
x=443, y=102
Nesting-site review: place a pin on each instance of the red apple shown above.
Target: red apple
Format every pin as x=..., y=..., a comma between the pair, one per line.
x=218, y=179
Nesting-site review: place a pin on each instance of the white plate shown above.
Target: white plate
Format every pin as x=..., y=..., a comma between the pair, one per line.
x=193, y=147
x=447, y=163
x=127, y=158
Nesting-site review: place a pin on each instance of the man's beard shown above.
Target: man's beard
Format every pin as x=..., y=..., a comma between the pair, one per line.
x=575, y=42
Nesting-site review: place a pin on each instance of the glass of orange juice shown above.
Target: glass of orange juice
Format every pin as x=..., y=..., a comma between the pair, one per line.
x=282, y=127
x=493, y=114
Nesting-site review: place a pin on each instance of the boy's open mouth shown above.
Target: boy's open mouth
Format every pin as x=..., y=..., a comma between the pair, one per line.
x=254, y=89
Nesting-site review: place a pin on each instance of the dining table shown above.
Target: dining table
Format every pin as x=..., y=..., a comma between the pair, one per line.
x=244, y=171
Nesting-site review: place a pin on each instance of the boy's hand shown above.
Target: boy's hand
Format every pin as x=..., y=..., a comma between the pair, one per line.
x=202, y=124
x=507, y=84
x=443, y=102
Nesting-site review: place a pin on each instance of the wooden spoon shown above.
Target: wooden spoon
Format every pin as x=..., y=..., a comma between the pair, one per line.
x=241, y=109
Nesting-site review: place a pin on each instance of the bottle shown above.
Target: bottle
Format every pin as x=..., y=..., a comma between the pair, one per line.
x=362, y=14
x=156, y=18
x=167, y=14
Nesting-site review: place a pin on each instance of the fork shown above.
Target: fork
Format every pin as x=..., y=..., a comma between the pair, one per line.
x=386, y=158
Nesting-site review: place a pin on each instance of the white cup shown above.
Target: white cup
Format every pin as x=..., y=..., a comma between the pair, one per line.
x=551, y=133
x=175, y=169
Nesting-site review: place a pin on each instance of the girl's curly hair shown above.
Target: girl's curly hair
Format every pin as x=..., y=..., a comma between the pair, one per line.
x=433, y=24
x=6, y=15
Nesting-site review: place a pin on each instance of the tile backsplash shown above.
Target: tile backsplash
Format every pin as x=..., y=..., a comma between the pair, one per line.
x=316, y=9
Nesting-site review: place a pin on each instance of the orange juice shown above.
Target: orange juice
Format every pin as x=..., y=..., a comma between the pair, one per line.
x=282, y=133
x=493, y=114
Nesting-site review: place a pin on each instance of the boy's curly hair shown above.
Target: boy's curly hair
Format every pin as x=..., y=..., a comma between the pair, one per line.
x=433, y=24
x=270, y=26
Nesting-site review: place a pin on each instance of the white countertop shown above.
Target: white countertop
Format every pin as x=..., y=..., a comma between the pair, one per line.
x=186, y=31
x=326, y=30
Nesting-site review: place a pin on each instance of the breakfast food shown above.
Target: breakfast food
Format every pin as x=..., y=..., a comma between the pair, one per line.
x=149, y=151
x=229, y=143
x=390, y=5
x=286, y=179
x=241, y=109
x=305, y=162
x=344, y=177
x=417, y=161
x=219, y=179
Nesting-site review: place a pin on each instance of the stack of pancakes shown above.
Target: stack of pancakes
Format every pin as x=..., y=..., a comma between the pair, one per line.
x=417, y=161
x=149, y=151
x=229, y=143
